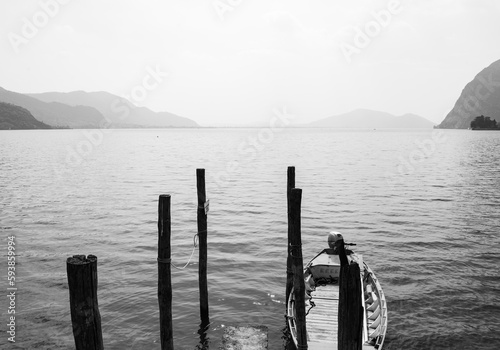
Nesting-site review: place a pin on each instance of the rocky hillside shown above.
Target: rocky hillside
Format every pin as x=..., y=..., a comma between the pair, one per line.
x=55, y=114
x=13, y=117
x=481, y=96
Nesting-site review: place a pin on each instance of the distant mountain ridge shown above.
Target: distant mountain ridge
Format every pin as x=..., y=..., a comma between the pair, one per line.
x=55, y=114
x=117, y=110
x=481, y=96
x=365, y=118
x=80, y=109
x=13, y=117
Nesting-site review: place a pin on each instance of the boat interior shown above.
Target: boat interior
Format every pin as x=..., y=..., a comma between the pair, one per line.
x=322, y=297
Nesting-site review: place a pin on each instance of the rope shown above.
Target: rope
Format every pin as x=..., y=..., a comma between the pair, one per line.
x=293, y=247
x=169, y=261
x=195, y=244
x=313, y=304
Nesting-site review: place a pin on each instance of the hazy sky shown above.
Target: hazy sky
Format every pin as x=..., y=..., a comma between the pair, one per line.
x=234, y=61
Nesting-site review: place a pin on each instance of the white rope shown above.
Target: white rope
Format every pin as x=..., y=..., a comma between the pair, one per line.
x=195, y=244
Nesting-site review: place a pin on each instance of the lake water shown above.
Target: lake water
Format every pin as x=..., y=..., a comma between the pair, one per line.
x=423, y=208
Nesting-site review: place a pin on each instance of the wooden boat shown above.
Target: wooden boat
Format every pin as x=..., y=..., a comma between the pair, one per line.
x=321, y=276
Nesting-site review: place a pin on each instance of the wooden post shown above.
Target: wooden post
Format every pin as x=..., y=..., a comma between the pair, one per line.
x=202, y=237
x=164, y=273
x=342, y=253
x=85, y=316
x=350, y=313
x=298, y=268
x=289, y=272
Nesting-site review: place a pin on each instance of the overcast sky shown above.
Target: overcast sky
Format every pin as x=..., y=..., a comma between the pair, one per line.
x=231, y=62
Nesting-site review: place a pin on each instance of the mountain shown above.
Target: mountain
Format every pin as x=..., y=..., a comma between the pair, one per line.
x=481, y=96
x=54, y=113
x=117, y=110
x=365, y=118
x=13, y=117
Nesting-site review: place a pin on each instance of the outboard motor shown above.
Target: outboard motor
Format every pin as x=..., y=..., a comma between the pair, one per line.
x=335, y=240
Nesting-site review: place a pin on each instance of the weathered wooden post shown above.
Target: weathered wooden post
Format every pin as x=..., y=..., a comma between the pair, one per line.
x=298, y=268
x=350, y=313
x=164, y=273
x=85, y=316
x=289, y=272
x=202, y=238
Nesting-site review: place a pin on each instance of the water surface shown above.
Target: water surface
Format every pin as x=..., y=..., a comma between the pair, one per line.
x=422, y=207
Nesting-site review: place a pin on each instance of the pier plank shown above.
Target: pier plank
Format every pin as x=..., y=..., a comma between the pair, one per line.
x=322, y=319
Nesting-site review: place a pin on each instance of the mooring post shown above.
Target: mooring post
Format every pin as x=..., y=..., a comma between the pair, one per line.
x=289, y=272
x=164, y=273
x=85, y=316
x=350, y=312
x=298, y=268
x=202, y=238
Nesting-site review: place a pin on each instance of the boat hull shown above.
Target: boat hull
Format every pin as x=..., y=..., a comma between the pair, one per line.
x=322, y=297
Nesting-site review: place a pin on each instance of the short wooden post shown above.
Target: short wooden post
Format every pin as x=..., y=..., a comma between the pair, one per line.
x=298, y=268
x=164, y=273
x=85, y=316
x=350, y=312
x=202, y=238
x=289, y=272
